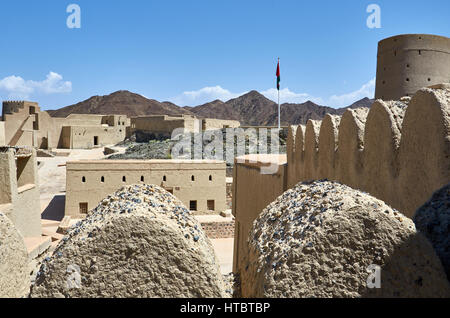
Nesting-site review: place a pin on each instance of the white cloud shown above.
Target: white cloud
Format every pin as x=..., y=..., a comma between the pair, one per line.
x=208, y=94
x=288, y=96
x=18, y=88
x=367, y=90
x=204, y=95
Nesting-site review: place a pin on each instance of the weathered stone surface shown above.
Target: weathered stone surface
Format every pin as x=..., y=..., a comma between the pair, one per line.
x=139, y=242
x=318, y=240
x=14, y=275
x=433, y=220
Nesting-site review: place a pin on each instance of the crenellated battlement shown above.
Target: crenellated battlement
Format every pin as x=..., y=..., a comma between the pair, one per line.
x=398, y=151
x=11, y=107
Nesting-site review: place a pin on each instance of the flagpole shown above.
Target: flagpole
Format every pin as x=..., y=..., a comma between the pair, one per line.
x=279, y=112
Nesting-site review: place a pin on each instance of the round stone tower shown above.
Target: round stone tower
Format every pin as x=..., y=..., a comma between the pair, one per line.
x=406, y=63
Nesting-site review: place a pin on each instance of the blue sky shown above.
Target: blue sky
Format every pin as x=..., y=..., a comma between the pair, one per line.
x=193, y=51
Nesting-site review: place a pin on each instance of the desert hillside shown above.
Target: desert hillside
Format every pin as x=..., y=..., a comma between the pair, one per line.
x=250, y=109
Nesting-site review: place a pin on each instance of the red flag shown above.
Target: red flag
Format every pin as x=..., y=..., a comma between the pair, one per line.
x=278, y=75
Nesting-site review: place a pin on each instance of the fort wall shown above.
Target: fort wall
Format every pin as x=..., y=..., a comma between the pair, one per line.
x=397, y=152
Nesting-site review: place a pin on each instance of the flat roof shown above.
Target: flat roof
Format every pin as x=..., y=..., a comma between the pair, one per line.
x=131, y=161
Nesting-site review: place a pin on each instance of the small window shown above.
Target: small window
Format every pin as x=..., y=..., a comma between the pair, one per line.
x=83, y=179
x=164, y=178
x=210, y=177
x=407, y=79
x=192, y=178
x=210, y=204
x=193, y=205
x=124, y=179
x=407, y=65
x=102, y=179
x=429, y=79
x=83, y=208
x=142, y=178
x=95, y=140
x=420, y=52
x=32, y=110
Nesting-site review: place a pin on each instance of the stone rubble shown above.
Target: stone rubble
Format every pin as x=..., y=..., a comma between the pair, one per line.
x=14, y=269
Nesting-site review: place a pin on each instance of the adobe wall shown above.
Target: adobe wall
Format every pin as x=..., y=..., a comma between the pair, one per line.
x=397, y=152
x=408, y=62
x=87, y=137
x=212, y=124
x=26, y=125
x=20, y=123
x=19, y=190
x=91, y=181
x=217, y=230
x=2, y=134
x=252, y=192
x=164, y=124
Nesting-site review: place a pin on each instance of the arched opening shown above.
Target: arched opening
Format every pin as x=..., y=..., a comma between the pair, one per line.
x=210, y=177
x=102, y=179
x=83, y=179
x=192, y=178
x=164, y=178
x=124, y=179
x=142, y=178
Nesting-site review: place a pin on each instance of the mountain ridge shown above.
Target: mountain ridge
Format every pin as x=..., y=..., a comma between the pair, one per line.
x=250, y=109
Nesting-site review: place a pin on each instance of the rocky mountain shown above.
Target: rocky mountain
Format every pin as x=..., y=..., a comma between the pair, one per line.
x=120, y=102
x=252, y=108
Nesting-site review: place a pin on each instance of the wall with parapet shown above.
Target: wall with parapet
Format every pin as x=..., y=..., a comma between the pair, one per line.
x=398, y=151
